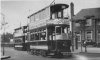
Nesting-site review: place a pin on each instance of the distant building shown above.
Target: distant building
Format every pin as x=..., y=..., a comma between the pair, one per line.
x=87, y=25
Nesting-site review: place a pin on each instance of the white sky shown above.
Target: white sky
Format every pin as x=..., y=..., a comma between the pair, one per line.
x=17, y=11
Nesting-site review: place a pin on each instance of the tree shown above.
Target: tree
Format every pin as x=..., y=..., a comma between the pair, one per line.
x=6, y=37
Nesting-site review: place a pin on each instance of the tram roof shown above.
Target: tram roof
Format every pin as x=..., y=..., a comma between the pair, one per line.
x=53, y=7
x=21, y=27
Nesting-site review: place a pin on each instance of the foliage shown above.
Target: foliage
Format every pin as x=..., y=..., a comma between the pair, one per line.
x=6, y=37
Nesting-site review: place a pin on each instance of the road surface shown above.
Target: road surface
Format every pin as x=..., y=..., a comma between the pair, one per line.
x=23, y=55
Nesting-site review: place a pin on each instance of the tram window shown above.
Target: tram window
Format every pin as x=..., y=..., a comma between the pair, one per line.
x=65, y=13
x=32, y=37
x=18, y=41
x=37, y=36
x=43, y=36
x=59, y=14
x=58, y=30
x=53, y=16
x=64, y=30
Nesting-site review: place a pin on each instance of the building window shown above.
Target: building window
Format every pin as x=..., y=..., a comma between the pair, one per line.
x=98, y=32
x=78, y=37
x=88, y=22
x=77, y=24
x=89, y=35
x=98, y=23
x=98, y=36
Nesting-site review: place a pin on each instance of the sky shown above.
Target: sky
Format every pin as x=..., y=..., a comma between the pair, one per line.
x=17, y=11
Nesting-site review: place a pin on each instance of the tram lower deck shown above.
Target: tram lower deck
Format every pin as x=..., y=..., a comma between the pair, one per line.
x=53, y=39
x=48, y=47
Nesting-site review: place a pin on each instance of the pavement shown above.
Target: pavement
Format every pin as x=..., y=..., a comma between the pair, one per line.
x=89, y=50
x=5, y=57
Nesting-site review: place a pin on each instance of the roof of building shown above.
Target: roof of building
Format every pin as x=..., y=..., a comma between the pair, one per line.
x=90, y=12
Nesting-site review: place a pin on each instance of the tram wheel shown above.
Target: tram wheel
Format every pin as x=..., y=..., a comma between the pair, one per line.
x=29, y=51
x=37, y=52
x=43, y=53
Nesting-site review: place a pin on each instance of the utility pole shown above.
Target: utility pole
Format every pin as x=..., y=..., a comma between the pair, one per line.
x=3, y=24
x=28, y=22
x=72, y=14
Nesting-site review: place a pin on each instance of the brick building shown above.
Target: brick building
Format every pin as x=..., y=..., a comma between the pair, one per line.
x=87, y=25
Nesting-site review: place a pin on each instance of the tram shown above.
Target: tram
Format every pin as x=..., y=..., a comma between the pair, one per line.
x=20, y=38
x=49, y=31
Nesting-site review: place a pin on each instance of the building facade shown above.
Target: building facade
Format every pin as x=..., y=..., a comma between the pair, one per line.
x=87, y=25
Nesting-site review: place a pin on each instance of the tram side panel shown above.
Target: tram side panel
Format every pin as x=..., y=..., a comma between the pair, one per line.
x=59, y=45
x=20, y=44
x=48, y=47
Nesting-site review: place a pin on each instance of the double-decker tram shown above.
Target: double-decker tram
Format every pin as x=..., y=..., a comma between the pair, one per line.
x=19, y=38
x=48, y=31
x=18, y=45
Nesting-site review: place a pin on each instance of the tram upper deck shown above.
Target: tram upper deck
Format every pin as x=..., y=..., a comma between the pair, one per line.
x=53, y=14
